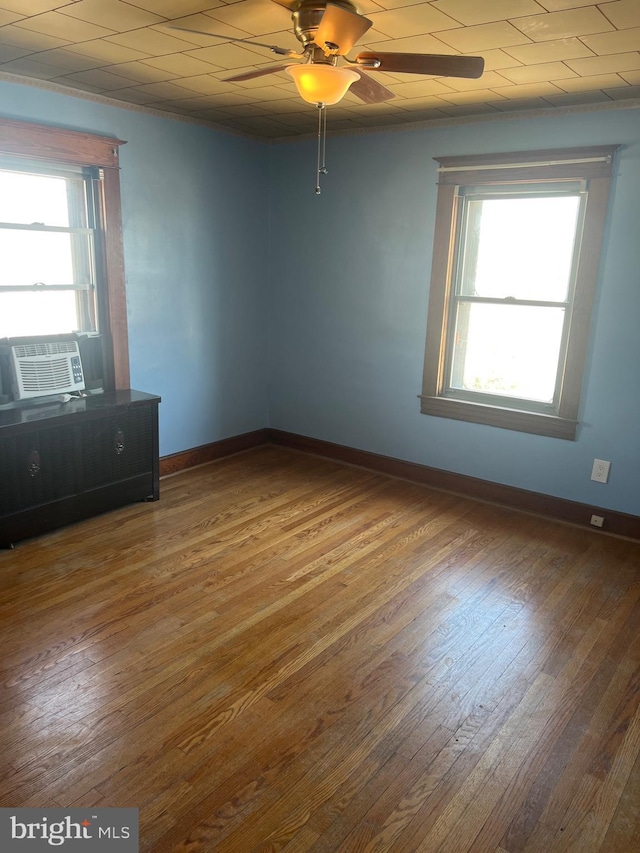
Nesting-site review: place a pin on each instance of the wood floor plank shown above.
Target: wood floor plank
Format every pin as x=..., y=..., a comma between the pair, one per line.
x=288, y=654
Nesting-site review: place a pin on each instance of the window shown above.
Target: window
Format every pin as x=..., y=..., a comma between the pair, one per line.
x=61, y=266
x=514, y=270
x=47, y=246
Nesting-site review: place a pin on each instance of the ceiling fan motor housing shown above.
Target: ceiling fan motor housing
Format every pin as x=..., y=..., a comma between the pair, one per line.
x=307, y=14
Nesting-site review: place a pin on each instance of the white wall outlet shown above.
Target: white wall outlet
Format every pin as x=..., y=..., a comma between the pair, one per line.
x=600, y=470
x=597, y=521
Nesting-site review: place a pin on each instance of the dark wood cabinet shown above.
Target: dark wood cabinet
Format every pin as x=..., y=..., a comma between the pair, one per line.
x=62, y=462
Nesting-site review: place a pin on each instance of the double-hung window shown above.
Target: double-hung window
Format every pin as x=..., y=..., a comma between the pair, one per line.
x=514, y=270
x=47, y=246
x=61, y=255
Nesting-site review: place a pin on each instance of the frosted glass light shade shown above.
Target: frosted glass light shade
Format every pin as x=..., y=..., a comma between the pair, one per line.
x=321, y=84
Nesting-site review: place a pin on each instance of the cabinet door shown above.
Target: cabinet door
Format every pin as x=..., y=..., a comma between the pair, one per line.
x=117, y=446
x=36, y=468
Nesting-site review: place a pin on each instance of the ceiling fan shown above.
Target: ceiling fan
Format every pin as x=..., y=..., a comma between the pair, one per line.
x=328, y=31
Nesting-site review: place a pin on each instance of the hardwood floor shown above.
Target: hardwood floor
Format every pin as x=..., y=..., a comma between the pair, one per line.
x=285, y=654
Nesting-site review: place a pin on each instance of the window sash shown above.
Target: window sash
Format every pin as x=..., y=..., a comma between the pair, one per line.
x=80, y=201
x=459, y=299
x=591, y=167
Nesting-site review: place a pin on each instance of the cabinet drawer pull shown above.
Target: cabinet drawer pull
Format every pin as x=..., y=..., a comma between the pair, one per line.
x=118, y=442
x=33, y=463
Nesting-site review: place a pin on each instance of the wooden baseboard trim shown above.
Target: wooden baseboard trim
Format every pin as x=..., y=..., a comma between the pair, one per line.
x=559, y=509
x=208, y=452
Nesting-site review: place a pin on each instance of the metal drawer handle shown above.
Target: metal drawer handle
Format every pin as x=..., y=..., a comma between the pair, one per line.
x=33, y=463
x=118, y=442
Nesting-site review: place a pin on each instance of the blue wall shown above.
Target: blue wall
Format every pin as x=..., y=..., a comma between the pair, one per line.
x=194, y=204
x=349, y=304
x=254, y=302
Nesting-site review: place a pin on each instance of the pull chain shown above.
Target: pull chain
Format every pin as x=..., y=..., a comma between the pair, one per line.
x=322, y=145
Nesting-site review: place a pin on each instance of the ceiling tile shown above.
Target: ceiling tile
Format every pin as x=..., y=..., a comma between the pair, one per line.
x=99, y=78
x=605, y=64
x=549, y=51
x=471, y=97
x=29, y=39
x=618, y=41
x=562, y=5
x=411, y=21
x=253, y=16
x=267, y=93
x=528, y=90
x=253, y=110
x=31, y=68
x=63, y=27
x=34, y=7
x=133, y=96
x=462, y=110
x=469, y=12
x=113, y=14
x=285, y=105
x=141, y=72
x=226, y=55
x=419, y=88
x=150, y=41
x=176, y=8
x=569, y=99
x=419, y=103
x=632, y=77
x=67, y=59
x=9, y=52
x=538, y=73
x=494, y=60
x=601, y=81
x=162, y=91
x=210, y=31
x=624, y=93
x=412, y=44
x=205, y=84
x=428, y=114
x=106, y=52
x=8, y=17
x=257, y=82
x=514, y=105
x=483, y=37
x=623, y=13
x=464, y=84
x=558, y=25
x=182, y=65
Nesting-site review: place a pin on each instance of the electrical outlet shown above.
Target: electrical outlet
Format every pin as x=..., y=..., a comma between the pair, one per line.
x=600, y=470
x=597, y=521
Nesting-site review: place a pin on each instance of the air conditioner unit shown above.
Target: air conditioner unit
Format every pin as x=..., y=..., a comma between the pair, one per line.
x=45, y=367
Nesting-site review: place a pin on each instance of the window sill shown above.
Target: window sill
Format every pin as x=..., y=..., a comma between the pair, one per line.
x=532, y=422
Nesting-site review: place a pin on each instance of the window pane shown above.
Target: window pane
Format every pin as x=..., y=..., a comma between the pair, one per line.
x=37, y=313
x=519, y=247
x=35, y=256
x=507, y=350
x=33, y=198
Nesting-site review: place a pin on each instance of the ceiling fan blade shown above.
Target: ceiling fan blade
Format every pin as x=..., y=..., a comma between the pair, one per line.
x=341, y=28
x=369, y=90
x=288, y=4
x=433, y=64
x=259, y=72
x=281, y=51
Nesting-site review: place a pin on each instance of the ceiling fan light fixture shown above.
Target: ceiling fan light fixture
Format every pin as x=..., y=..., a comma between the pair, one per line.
x=322, y=84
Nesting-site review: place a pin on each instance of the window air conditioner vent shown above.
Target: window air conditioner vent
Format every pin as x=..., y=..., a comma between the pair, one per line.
x=46, y=368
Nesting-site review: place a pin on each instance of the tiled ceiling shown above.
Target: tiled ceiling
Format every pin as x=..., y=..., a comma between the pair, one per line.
x=538, y=54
